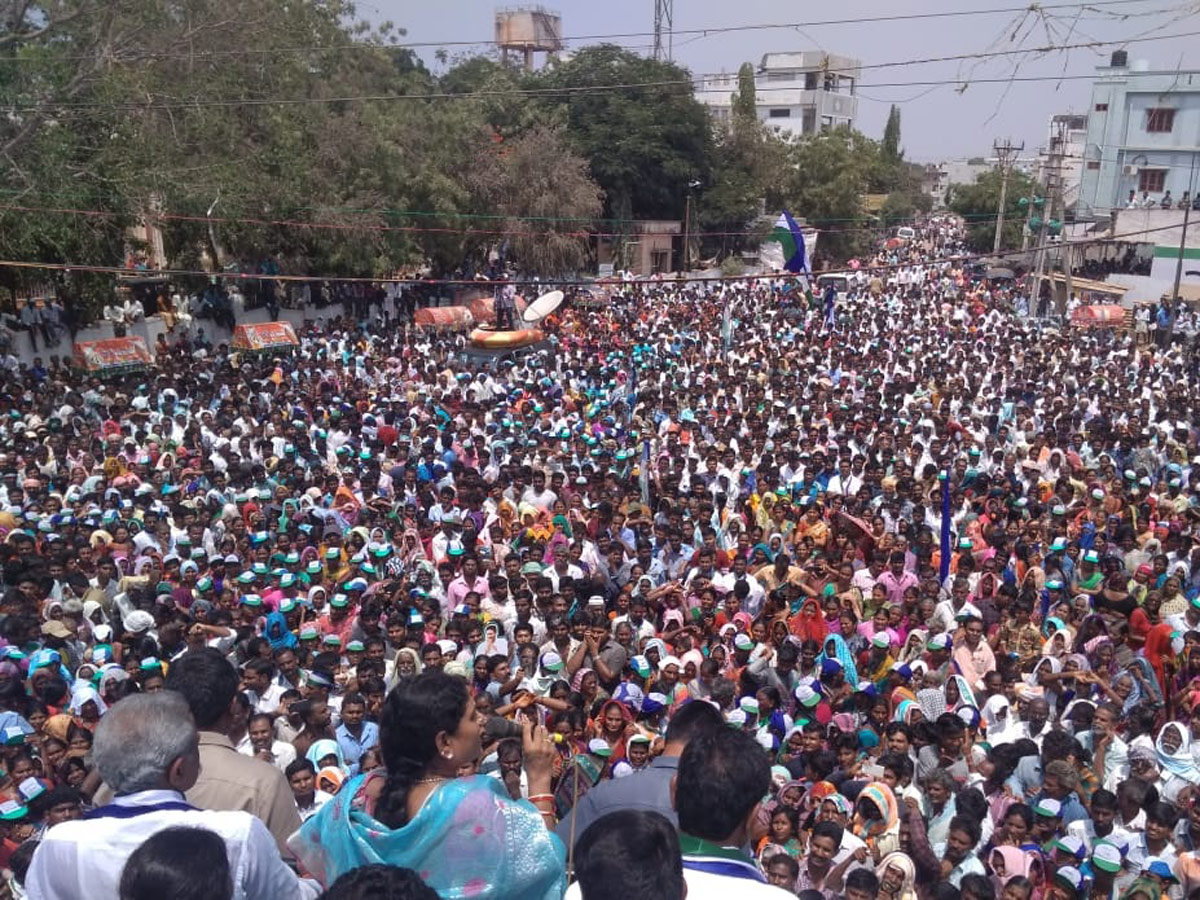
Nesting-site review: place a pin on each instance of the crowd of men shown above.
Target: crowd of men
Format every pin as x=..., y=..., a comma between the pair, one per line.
x=933, y=561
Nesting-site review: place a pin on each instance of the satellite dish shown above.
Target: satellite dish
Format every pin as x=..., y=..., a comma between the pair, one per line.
x=542, y=307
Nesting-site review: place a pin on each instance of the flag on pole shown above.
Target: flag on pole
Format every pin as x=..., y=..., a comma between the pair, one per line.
x=791, y=239
x=944, y=569
x=726, y=328
x=644, y=472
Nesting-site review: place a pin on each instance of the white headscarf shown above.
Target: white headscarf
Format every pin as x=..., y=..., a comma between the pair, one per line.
x=81, y=693
x=997, y=716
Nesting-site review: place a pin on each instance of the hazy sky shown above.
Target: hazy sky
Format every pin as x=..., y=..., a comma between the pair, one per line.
x=937, y=122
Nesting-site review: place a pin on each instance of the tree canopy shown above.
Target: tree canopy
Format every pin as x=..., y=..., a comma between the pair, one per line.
x=255, y=130
x=977, y=204
x=744, y=103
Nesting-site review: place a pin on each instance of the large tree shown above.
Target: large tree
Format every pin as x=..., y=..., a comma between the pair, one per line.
x=828, y=177
x=53, y=55
x=744, y=102
x=749, y=162
x=544, y=199
x=645, y=144
x=890, y=148
x=978, y=202
x=127, y=106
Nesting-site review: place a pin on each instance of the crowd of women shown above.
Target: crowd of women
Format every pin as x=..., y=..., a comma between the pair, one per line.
x=937, y=559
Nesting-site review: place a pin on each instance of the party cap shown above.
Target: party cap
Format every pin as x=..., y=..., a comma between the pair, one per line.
x=806, y=696
x=654, y=703
x=599, y=747
x=629, y=694
x=1070, y=845
x=1106, y=857
x=12, y=811
x=939, y=642
x=1071, y=878
x=1160, y=869
x=1048, y=807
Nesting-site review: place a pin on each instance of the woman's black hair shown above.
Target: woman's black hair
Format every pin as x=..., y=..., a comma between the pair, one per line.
x=414, y=714
x=1023, y=810
x=78, y=732
x=180, y=863
x=1022, y=883
x=793, y=815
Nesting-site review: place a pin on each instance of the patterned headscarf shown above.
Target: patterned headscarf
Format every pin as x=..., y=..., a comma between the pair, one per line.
x=882, y=799
x=841, y=652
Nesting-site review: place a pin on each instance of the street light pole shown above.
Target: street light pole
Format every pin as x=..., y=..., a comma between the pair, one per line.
x=693, y=183
x=687, y=233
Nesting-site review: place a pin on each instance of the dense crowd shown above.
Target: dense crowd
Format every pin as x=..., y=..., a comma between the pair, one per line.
x=890, y=597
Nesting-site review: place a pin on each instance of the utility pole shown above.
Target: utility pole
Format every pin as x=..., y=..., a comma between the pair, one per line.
x=1006, y=153
x=1187, y=213
x=1053, y=203
x=664, y=15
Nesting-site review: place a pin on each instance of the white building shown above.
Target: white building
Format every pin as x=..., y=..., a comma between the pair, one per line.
x=1143, y=137
x=939, y=177
x=799, y=93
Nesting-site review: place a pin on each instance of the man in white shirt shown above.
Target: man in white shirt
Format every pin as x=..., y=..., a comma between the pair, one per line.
x=258, y=680
x=85, y=858
x=260, y=742
x=1110, y=754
